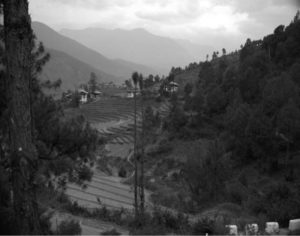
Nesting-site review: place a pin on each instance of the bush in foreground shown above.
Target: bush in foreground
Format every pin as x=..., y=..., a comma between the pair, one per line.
x=111, y=232
x=69, y=228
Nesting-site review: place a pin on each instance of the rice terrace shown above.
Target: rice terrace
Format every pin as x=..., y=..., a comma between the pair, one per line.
x=114, y=120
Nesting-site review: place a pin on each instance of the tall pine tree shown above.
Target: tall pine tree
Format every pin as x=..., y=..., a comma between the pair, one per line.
x=18, y=40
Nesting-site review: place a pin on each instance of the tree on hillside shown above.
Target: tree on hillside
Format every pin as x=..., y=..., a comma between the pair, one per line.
x=18, y=40
x=261, y=134
x=156, y=79
x=206, y=73
x=188, y=89
x=197, y=102
x=176, y=119
x=92, y=84
x=277, y=92
x=141, y=82
x=171, y=77
x=294, y=72
x=224, y=51
x=128, y=84
x=205, y=175
x=215, y=55
x=84, y=87
x=288, y=122
x=149, y=81
x=52, y=85
x=216, y=101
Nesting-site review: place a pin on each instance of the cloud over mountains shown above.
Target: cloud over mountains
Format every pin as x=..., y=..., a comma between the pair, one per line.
x=224, y=23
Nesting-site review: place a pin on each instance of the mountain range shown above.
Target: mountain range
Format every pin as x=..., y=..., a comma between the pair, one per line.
x=71, y=70
x=140, y=46
x=113, y=55
x=110, y=70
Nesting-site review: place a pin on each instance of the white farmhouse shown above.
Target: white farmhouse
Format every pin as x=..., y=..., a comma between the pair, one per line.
x=83, y=95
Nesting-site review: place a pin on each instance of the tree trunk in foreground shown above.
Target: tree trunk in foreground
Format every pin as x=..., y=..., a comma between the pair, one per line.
x=18, y=43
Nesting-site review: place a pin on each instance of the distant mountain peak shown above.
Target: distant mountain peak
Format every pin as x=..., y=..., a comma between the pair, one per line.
x=56, y=41
x=136, y=45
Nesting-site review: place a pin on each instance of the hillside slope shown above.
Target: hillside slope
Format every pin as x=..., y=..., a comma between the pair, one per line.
x=71, y=71
x=54, y=40
x=246, y=107
x=136, y=45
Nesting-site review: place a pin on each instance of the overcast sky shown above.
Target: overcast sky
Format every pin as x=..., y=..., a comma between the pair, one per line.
x=220, y=23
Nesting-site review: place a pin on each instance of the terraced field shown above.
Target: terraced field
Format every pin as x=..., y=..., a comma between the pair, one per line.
x=105, y=191
x=114, y=119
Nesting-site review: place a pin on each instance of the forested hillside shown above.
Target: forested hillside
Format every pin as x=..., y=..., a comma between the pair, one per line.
x=247, y=105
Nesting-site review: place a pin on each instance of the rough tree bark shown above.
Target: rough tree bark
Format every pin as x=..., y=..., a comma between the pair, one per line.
x=18, y=40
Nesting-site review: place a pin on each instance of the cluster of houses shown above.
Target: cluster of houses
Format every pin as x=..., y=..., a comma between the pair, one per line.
x=171, y=87
x=85, y=95
x=123, y=92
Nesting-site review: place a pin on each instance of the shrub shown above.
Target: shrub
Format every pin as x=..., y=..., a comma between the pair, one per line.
x=237, y=192
x=149, y=230
x=172, y=222
x=63, y=198
x=163, y=147
x=102, y=213
x=111, y=232
x=159, y=223
x=158, y=99
x=203, y=226
x=122, y=172
x=85, y=173
x=69, y=228
x=45, y=221
x=209, y=226
x=279, y=203
x=116, y=216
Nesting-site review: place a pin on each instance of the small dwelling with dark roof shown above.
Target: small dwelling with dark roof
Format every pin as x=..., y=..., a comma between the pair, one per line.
x=172, y=87
x=83, y=95
x=96, y=94
x=130, y=93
